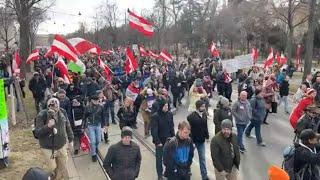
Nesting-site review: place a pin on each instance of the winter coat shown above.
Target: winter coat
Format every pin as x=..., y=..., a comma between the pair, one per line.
x=220, y=114
x=242, y=112
x=162, y=126
x=284, y=88
x=127, y=117
x=92, y=89
x=95, y=115
x=177, y=156
x=298, y=110
x=37, y=88
x=194, y=97
x=123, y=162
x=45, y=134
x=225, y=152
x=71, y=93
x=66, y=105
x=155, y=106
x=199, y=127
x=316, y=86
x=306, y=156
x=258, y=108
x=76, y=121
x=176, y=86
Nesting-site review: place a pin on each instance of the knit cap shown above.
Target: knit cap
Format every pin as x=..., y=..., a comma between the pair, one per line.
x=126, y=131
x=227, y=123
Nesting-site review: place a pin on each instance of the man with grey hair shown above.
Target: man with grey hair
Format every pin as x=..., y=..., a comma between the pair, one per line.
x=241, y=110
x=53, y=128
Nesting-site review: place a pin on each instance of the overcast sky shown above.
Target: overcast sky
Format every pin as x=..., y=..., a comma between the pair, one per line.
x=64, y=18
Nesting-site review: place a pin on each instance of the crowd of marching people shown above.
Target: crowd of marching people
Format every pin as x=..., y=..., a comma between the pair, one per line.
x=88, y=104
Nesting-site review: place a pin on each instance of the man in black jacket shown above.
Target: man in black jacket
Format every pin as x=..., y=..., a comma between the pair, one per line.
x=123, y=159
x=162, y=128
x=178, y=154
x=37, y=86
x=199, y=133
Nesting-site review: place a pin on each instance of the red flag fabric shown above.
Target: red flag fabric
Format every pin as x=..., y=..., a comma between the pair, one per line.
x=49, y=53
x=269, y=61
x=83, y=46
x=254, y=55
x=106, y=69
x=33, y=56
x=62, y=67
x=283, y=59
x=298, y=57
x=153, y=55
x=16, y=62
x=131, y=63
x=278, y=58
x=64, y=48
x=214, y=51
x=85, y=142
x=140, y=24
x=164, y=55
x=143, y=52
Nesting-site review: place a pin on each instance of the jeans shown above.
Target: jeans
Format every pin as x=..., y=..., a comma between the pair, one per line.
x=159, y=154
x=240, y=131
x=202, y=159
x=109, y=106
x=257, y=127
x=285, y=100
x=95, y=138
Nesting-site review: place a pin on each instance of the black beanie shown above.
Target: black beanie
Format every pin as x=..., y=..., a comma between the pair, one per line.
x=307, y=134
x=126, y=131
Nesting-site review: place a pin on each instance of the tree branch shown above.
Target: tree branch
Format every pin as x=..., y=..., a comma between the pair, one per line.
x=303, y=20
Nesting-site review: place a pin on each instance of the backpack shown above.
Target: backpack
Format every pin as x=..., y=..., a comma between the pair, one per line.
x=288, y=164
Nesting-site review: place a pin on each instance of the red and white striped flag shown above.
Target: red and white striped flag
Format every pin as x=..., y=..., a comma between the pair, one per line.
x=63, y=69
x=33, y=56
x=278, y=58
x=143, y=52
x=214, y=51
x=269, y=61
x=16, y=62
x=164, y=55
x=64, y=48
x=153, y=55
x=49, y=53
x=140, y=24
x=83, y=46
x=254, y=55
x=106, y=69
x=283, y=59
x=131, y=63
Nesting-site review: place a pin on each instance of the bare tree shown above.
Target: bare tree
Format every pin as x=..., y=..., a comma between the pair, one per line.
x=288, y=11
x=310, y=37
x=7, y=29
x=110, y=11
x=38, y=16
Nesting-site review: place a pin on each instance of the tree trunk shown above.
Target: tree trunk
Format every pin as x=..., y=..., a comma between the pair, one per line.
x=248, y=46
x=289, y=45
x=310, y=38
x=24, y=45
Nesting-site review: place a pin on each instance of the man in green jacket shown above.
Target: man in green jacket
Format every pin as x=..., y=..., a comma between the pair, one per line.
x=53, y=129
x=225, y=152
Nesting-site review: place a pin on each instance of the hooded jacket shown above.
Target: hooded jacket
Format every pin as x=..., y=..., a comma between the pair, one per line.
x=162, y=126
x=242, y=112
x=258, y=108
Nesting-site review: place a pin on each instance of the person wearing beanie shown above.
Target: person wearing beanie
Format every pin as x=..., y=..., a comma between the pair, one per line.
x=37, y=85
x=199, y=133
x=225, y=152
x=242, y=112
x=298, y=110
x=306, y=156
x=258, y=114
x=123, y=159
x=52, y=128
x=223, y=111
x=162, y=128
x=310, y=120
x=94, y=120
x=65, y=102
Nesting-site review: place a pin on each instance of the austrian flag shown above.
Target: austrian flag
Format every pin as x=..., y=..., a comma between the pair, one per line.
x=106, y=69
x=131, y=63
x=83, y=46
x=140, y=24
x=62, y=67
x=143, y=52
x=164, y=55
x=33, y=56
x=64, y=48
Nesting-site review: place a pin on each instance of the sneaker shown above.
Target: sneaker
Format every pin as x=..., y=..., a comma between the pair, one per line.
x=94, y=158
x=263, y=144
x=242, y=150
x=113, y=122
x=249, y=136
x=76, y=152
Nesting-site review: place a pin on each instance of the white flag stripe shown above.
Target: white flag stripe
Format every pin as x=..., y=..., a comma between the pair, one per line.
x=134, y=20
x=165, y=56
x=74, y=41
x=64, y=47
